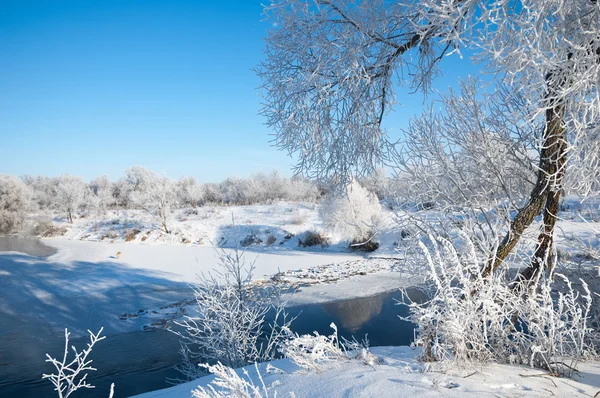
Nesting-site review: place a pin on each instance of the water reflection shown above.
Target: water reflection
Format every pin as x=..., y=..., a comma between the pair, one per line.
x=30, y=246
x=353, y=314
x=378, y=317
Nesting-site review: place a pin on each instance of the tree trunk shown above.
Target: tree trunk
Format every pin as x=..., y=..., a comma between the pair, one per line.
x=545, y=196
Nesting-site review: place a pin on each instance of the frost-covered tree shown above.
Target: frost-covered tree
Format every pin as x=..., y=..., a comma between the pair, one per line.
x=355, y=215
x=43, y=189
x=190, y=191
x=152, y=192
x=333, y=66
x=70, y=194
x=15, y=201
x=100, y=194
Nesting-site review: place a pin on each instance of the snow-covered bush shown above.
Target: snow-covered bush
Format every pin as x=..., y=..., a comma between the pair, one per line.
x=229, y=384
x=15, y=200
x=472, y=317
x=152, y=192
x=355, y=215
x=71, y=374
x=70, y=194
x=309, y=351
x=231, y=324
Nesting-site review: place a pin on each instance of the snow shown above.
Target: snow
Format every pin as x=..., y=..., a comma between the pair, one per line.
x=85, y=286
x=400, y=374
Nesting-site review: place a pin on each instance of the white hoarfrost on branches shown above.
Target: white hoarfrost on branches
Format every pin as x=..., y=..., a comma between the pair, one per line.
x=152, y=192
x=332, y=67
x=70, y=194
x=472, y=317
x=15, y=202
x=71, y=374
x=355, y=214
x=311, y=351
x=191, y=192
x=100, y=195
x=236, y=323
x=477, y=152
x=229, y=384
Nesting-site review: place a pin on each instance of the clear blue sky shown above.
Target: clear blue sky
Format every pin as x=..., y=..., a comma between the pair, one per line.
x=93, y=87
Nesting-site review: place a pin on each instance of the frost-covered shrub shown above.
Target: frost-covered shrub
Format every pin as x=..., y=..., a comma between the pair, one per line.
x=71, y=374
x=309, y=351
x=231, y=322
x=70, y=194
x=43, y=227
x=15, y=200
x=472, y=317
x=355, y=215
x=229, y=384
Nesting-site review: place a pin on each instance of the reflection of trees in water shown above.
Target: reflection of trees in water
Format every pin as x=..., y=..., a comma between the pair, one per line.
x=355, y=313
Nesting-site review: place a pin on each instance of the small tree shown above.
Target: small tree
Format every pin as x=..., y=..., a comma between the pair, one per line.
x=356, y=214
x=70, y=194
x=152, y=192
x=15, y=200
x=71, y=374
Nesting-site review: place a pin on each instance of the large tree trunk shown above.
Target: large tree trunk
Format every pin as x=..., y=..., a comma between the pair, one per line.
x=544, y=197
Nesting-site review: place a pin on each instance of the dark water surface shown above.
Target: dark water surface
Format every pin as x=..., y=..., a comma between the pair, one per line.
x=138, y=362
x=30, y=246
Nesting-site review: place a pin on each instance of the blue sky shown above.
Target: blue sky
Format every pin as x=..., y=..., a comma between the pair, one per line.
x=93, y=87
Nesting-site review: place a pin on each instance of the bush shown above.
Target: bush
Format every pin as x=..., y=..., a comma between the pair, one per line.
x=15, y=199
x=355, y=215
x=483, y=318
x=131, y=235
x=313, y=238
x=231, y=322
x=43, y=227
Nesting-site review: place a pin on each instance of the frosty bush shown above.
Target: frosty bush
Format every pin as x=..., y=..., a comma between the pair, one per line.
x=473, y=317
x=354, y=215
x=15, y=199
x=231, y=323
x=230, y=385
x=309, y=351
x=71, y=374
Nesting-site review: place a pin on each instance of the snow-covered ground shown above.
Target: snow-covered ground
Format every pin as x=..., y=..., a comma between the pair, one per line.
x=101, y=278
x=399, y=374
x=277, y=226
